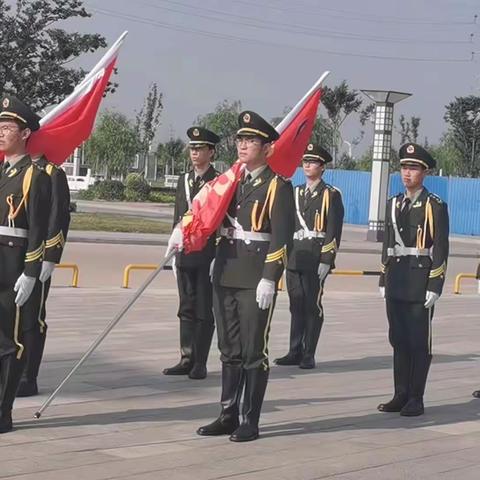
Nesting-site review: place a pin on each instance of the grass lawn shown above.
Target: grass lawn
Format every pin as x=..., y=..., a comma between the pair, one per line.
x=106, y=222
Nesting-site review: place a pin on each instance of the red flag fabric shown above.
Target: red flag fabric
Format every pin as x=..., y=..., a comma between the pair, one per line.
x=290, y=147
x=211, y=204
x=58, y=138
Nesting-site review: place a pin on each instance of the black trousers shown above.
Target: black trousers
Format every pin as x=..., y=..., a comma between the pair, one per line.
x=195, y=312
x=242, y=328
x=305, y=295
x=410, y=334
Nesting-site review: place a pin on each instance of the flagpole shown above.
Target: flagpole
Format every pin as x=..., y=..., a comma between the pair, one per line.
x=106, y=331
x=288, y=118
x=105, y=60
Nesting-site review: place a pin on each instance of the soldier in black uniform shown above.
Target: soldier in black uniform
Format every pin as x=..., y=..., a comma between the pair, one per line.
x=193, y=271
x=24, y=207
x=251, y=256
x=414, y=262
x=58, y=223
x=318, y=230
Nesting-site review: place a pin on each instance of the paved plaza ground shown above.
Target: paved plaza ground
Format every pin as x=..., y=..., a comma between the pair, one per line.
x=120, y=418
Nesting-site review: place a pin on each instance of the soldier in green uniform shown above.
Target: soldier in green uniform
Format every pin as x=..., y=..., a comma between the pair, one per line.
x=58, y=223
x=255, y=237
x=318, y=231
x=24, y=209
x=193, y=270
x=414, y=262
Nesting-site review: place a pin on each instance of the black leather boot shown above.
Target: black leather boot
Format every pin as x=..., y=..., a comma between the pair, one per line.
x=232, y=385
x=34, y=343
x=297, y=331
x=255, y=385
x=401, y=379
x=11, y=371
x=312, y=334
x=201, y=348
x=418, y=378
x=187, y=336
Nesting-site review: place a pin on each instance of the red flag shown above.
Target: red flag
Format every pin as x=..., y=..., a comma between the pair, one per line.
x=290, y=147
x=70, y=123
x=58, y=138
x=211, y=203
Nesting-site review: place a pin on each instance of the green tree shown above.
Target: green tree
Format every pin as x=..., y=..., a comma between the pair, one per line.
x=339, y=103
x=224, y=122
x=36, y=55
x=172, y=153
x=147, y=119
x=113, y=145
x=408, y=129
x=463, y=117
x=446, y=155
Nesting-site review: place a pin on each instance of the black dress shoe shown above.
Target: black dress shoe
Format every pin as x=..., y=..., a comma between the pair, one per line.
x=288, y=359
x=413, y=408
x=198, y=372
x=476, y=393
x=221, y=426
x=178, y=369
x=6, y=423
x=394, y=405
x=244, y=433
x=307, y=362
x=27, y=389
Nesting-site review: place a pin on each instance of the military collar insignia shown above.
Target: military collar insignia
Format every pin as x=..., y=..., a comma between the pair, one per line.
x=13, y=171
x=399, y=204
x=258, y=181
x=301, y=192
x=201, y=183
x=314, y=194
x=190, y=182
x=417, y=204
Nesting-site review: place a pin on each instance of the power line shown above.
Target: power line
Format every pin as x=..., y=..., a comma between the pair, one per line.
x=169, y=26
x=294, y=28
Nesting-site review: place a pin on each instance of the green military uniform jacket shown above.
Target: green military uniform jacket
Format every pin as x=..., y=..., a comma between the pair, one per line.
x=322, y=215
x=262, y=206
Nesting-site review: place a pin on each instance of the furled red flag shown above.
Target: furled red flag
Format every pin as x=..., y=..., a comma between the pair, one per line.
x=211, y=204
x=70, y=123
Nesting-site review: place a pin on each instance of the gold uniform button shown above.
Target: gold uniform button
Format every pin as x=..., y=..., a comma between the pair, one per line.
x=10, y=244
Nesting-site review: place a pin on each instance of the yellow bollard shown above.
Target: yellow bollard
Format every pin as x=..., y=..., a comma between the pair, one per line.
x=458, y=279
x=136, y=266
x=75, y=272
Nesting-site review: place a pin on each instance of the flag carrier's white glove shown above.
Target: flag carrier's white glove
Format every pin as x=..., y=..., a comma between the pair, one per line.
x=430, y=299
x=47, y=270
x=323, y=270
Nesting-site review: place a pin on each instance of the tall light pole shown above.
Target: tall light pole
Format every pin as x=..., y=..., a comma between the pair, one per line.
x=382, y=144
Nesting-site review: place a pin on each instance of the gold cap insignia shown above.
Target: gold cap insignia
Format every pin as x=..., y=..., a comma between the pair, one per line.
x=6, y=103
x=410, y=149
x=246, y=118
x=310, y=147
x=195, y=132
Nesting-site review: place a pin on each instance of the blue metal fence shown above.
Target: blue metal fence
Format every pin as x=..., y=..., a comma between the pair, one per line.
x=461, y=194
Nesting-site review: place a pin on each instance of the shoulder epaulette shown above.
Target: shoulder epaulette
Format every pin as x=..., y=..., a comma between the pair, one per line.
x=435, y=197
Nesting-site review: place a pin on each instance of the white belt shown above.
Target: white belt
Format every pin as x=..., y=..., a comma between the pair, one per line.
x=400, y=251
x=308, y=234
x=14, y=232
x=235, y=234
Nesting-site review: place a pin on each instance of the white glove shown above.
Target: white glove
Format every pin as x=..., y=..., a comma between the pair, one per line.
x=47, y=270
x=478, y=287
x=430, y=299
x=212, y=267
x=323, y=270
x=265, y=293
x=24, y=287
x=175, y=242
x=382, y=291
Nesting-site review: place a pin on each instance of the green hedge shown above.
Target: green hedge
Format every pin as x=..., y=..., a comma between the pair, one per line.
x=136, y=188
